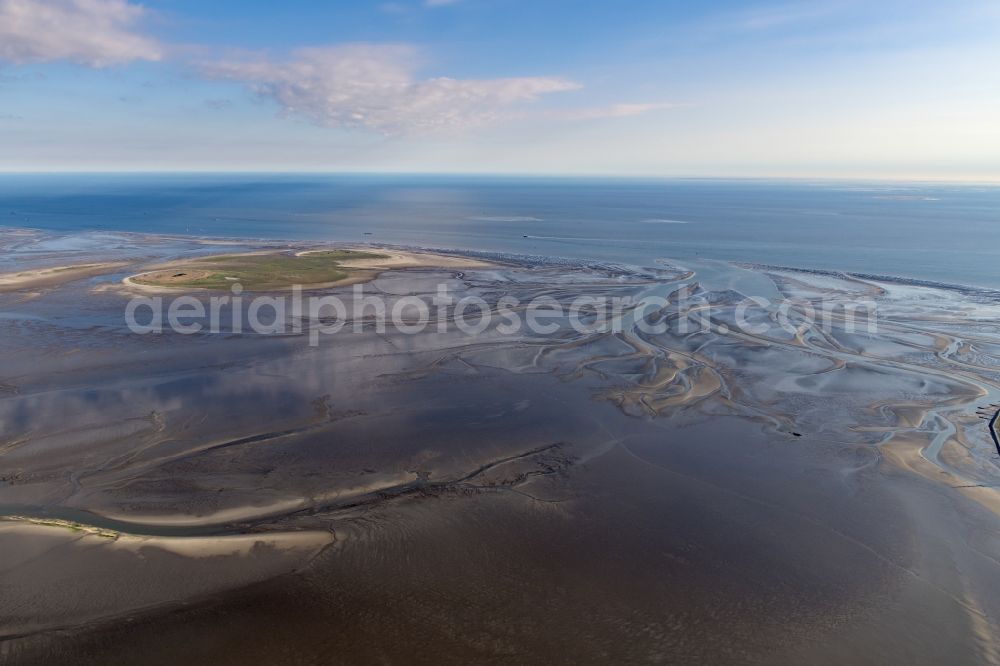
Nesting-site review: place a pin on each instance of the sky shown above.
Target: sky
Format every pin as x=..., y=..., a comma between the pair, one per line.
x=888, y=89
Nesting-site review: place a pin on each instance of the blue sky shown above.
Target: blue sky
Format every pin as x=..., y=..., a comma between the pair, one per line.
x=827, y=88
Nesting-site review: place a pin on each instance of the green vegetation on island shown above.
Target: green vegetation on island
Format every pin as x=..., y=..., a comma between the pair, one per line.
x=261, y=271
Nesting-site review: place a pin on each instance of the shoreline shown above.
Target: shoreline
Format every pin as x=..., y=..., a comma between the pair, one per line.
x=523, y=258
x=972, y=290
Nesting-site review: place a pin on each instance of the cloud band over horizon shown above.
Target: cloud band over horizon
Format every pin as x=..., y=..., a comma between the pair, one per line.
x=373, y=87
x=359, y=86
x=741, y=87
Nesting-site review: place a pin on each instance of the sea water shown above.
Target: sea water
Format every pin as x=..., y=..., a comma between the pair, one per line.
x=936, y=232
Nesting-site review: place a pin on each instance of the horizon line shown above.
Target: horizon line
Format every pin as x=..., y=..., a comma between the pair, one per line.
x=900, y=179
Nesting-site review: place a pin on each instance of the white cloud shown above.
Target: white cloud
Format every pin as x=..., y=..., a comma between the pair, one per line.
x=767, y=18
x=440, y=3
x=620, y=110
x=373, y=87
x=96, y=33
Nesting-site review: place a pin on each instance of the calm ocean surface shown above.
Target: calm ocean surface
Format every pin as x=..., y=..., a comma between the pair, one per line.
x=944, y=233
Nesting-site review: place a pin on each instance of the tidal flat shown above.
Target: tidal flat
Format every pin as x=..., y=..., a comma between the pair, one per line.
x=742, y=483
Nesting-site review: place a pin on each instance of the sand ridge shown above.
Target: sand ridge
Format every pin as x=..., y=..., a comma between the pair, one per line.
x=55, y=276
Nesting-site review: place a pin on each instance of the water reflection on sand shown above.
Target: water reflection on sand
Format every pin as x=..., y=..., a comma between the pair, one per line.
x=700, y=493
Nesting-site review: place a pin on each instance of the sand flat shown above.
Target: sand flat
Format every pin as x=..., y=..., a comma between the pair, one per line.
x=406, y=259
x=55, y=276
x=57, y=576
x=688, y=495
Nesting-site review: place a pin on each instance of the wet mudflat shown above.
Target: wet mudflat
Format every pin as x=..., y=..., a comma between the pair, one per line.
x=698, y=493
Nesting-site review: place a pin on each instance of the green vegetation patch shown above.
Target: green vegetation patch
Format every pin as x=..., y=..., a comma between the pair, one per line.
x=261, y=271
